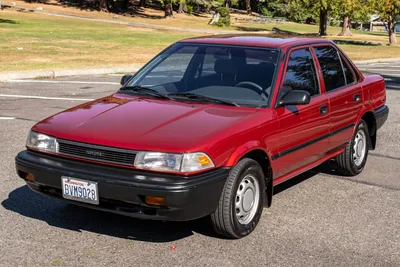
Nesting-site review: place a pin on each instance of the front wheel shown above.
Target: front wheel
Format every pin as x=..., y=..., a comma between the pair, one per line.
x=241, y=203
x=352, y=161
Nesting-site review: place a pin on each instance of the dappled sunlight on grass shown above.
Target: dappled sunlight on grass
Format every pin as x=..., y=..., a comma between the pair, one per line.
x=67, y=43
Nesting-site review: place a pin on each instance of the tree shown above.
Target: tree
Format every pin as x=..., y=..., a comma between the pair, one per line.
x=168, y=9
x=103, y=5
x=142, y=3
x=167, y=4
x=323, y=21
x=322, y=8
x=248, y=7
x=293, y=10
x=227, y=3
x=182, y=6
x=351, y=9
x=388, y=9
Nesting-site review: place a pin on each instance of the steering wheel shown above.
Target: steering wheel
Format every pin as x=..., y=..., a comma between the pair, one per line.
x=255, y=87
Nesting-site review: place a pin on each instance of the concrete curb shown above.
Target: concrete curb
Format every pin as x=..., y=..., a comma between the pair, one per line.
x=57, y=73
x=378, y=60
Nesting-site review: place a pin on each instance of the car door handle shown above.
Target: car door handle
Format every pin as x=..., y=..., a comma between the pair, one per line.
x=356, y=98
x=323, y=109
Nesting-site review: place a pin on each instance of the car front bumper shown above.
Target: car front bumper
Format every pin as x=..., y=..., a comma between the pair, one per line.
x=123, y=190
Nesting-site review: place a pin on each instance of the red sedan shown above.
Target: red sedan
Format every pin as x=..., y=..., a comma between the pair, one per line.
x=208, y=127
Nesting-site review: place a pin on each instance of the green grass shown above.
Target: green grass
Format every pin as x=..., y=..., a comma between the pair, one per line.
x=57, y=43
x=50, y=43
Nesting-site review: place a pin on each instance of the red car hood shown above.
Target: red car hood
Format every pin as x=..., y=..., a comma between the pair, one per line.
x=143, y=123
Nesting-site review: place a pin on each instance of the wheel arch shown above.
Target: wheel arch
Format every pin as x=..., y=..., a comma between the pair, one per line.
x=262, y=158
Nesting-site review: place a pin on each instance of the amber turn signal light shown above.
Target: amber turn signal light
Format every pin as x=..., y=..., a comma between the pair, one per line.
x=158, y=201
x=30, y=177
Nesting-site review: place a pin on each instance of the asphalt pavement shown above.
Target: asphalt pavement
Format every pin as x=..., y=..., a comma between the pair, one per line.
x=317, y=219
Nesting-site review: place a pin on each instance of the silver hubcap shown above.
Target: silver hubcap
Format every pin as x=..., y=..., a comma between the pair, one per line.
x=247, y=199
x=359, y=147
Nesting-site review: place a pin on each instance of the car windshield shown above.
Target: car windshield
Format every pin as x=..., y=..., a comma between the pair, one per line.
x=197, y=72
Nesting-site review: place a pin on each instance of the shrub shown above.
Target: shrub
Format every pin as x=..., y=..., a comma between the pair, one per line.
x=189, y=10
x=225, y=19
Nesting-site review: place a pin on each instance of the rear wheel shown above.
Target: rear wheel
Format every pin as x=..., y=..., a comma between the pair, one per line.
x=352, y=161
x=241, y=202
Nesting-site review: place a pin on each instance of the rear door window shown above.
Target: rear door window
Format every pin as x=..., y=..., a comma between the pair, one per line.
x=331, y=67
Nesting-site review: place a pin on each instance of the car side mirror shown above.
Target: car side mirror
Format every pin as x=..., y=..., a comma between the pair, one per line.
x=295, y=97
x=125, y=78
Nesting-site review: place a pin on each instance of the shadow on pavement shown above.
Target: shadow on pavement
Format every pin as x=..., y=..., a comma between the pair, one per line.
x=59, y=214
x=328, y=167
x=75, y=218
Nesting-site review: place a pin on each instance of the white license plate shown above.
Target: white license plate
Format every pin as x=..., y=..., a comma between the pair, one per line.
x=80, y=190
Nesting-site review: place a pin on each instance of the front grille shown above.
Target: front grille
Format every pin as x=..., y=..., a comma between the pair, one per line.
x=98, y=153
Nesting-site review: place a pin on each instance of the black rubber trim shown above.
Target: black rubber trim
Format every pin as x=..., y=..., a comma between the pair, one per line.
x=31, y=160
x=308, y=143
x=382, y=111
x=381, y=115
x=342, y=129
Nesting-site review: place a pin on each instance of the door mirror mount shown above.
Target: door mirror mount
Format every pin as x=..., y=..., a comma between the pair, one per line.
x=125, y=79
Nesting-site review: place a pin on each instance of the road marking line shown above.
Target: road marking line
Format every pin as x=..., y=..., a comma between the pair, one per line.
x=47, y=97
x=73, y=82
x=7, y=118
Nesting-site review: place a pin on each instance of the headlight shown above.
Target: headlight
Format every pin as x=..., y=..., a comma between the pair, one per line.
x=189, y=162
x=41, y=142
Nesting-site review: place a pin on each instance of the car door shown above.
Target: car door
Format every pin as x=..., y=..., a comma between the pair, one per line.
x=304, y=129
x=343, y=92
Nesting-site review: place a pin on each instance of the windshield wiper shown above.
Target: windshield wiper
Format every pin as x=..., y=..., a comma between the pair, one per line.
x=203, y=98
x=145, y=90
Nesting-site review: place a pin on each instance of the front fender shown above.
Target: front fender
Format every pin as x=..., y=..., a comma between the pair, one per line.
x=243, y=149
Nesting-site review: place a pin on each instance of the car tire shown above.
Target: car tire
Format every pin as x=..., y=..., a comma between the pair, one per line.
x=242, y=200
x=352, y=161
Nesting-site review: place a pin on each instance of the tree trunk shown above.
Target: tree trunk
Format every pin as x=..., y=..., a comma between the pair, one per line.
x=323, y=22
x=182, y=7
x=392, y=31
x=142, y=3
x=346, y=26
x=248, y=7
x=125, y=4
x=168, y=11
x=104, y=5
x=227, y=3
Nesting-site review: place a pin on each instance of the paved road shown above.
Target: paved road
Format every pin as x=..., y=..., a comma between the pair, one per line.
x=317, y=219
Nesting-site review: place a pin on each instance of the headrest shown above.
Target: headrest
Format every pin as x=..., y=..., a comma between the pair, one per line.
x=267, y=65
x=225, y=66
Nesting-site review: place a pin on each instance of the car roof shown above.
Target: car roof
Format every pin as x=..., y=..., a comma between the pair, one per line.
x=270, y=41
